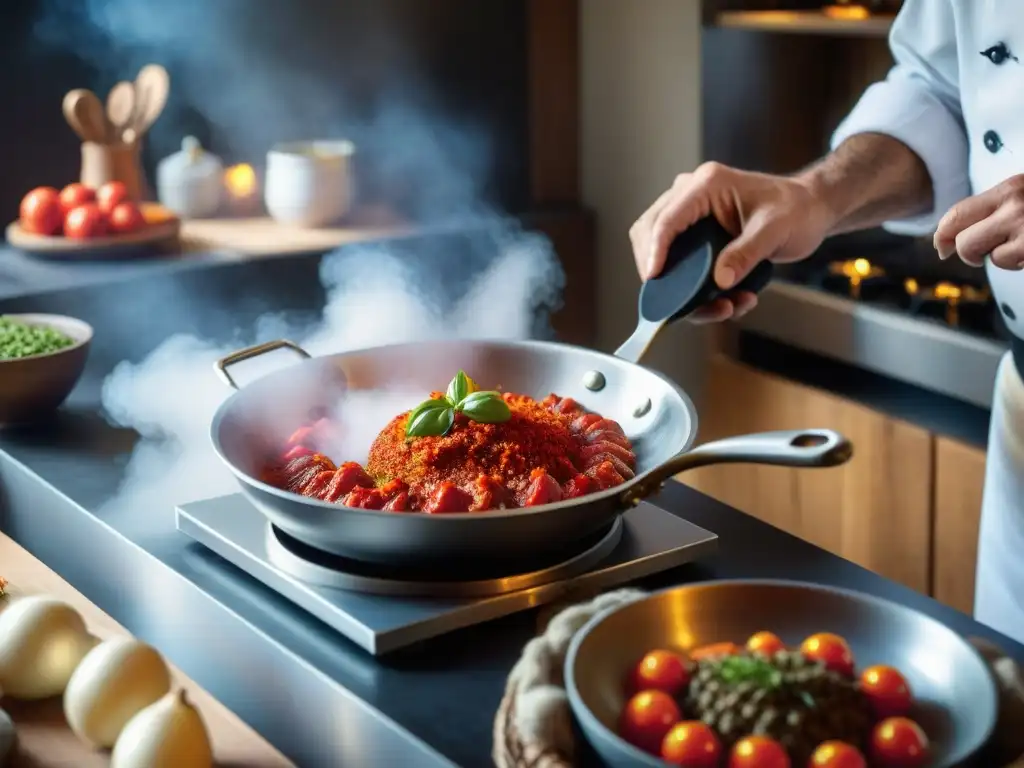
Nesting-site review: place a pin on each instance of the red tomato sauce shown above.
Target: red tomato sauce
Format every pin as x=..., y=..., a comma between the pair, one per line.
x=548, y=451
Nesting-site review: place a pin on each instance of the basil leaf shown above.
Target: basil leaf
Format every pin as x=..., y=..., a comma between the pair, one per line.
x=458, y=389
x=485, y=407
x=432, y=418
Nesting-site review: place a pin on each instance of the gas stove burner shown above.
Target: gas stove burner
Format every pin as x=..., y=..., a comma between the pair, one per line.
x=948, y=301
x=486, y=579
x=853, y=276
x=845, y=11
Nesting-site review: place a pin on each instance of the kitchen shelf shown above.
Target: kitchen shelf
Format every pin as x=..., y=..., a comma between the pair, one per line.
x=261, y=235
x=804, y=23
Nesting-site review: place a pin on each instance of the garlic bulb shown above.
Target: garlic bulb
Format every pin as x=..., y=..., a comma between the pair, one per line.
x=115, y=680
x=167, y=734
x=41, y=642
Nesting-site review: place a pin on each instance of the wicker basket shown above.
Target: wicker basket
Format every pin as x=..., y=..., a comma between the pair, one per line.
x=510, y=751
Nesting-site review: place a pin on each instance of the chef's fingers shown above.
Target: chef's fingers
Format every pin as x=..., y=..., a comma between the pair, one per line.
x=714, y=312
x=963, y=215
x=688, y=204
x=756, y=243
x=640, y=237
x=742, y=303
x=977, y=241
x=1010, y=255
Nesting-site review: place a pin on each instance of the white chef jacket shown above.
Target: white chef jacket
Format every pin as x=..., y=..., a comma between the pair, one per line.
x=956, y=97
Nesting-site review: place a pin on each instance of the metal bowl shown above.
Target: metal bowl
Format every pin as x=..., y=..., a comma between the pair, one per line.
x=955, y=694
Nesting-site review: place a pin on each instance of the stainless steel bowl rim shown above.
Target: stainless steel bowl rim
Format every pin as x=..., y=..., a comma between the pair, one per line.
x=582, y=711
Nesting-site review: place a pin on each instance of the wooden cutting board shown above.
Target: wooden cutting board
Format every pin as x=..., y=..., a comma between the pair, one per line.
x=261, y=235
x=45, y=741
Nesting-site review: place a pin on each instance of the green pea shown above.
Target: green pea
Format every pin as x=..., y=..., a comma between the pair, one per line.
x=19, y=340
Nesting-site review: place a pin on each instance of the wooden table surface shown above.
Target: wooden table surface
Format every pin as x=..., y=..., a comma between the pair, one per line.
x=249, y=236
x=45, y=741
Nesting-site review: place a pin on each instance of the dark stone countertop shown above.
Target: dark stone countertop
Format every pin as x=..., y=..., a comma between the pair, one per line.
x=443, y=692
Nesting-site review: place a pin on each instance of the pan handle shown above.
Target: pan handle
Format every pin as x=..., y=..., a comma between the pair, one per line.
x=222, y=365
x=796, y=448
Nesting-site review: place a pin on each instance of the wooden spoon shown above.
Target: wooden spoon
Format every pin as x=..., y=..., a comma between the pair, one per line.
x=120, y=108
x=152, y=86
x=84, y=113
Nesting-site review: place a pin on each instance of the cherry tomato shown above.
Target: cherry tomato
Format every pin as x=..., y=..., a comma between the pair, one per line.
x=715, y=651
x=85, y=221
x=766, y=643
x=74, y=195
x=647, y=718
x=691, y=744
x=887, y=690
x=41, y=212
x=660, y=671
x=111, y=195
x=758, y=752
x=898, y=742
x=125, y=218
x=837, y=754
x=831, y=650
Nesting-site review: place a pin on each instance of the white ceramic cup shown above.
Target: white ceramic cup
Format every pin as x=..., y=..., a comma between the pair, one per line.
x=309, y=183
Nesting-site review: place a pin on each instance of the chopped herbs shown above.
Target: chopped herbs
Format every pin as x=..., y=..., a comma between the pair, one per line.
x=749, y=669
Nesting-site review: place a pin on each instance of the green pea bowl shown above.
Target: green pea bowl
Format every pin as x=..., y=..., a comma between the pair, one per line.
x=41, y=359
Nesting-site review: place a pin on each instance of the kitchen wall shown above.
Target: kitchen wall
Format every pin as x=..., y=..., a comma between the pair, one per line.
x=641, y=125
x=434, y=94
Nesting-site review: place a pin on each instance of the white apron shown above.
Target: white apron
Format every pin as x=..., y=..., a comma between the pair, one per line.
x=999, y=590
x=956, y=97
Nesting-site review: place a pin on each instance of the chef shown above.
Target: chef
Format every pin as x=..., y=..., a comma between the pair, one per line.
x=937, y=148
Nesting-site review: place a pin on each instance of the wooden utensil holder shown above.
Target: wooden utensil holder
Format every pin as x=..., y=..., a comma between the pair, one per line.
x=112, y=162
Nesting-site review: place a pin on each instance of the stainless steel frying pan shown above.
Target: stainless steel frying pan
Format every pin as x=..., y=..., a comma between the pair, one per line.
x=656, y=415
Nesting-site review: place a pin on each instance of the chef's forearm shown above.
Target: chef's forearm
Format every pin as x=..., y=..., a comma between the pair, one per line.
x=870, y=178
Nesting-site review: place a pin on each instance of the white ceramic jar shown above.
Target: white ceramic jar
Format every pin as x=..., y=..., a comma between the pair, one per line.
x=191, y=182
x=309, y=183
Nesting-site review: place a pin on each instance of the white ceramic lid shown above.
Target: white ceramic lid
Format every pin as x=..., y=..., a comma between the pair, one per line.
x=191, y=162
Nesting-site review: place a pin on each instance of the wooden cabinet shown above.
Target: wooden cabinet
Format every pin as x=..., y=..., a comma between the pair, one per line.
x=875, y=511
x=907, y=505
x=959, y=478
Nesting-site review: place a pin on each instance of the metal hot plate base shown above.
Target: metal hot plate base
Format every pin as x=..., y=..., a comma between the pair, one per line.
x=474, y=580
x=377, y=611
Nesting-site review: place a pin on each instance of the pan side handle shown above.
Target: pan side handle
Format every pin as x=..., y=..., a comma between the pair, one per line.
x=249, y=353
x=796, y=448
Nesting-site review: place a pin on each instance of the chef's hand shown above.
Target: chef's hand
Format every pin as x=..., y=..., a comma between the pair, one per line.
x=989, y=224
x=772, y=218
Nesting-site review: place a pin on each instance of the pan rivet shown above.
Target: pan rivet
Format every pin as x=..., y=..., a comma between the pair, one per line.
x=643, y=408
x=594, y=381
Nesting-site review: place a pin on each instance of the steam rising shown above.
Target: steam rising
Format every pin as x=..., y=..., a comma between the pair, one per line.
x=261, y=73
x=373, y=299
x=255, y=75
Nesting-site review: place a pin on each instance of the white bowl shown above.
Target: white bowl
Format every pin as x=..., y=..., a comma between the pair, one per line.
x=309, y=183
x=31, y=387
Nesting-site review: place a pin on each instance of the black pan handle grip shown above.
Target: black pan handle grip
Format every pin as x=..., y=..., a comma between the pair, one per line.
x=688, y=278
